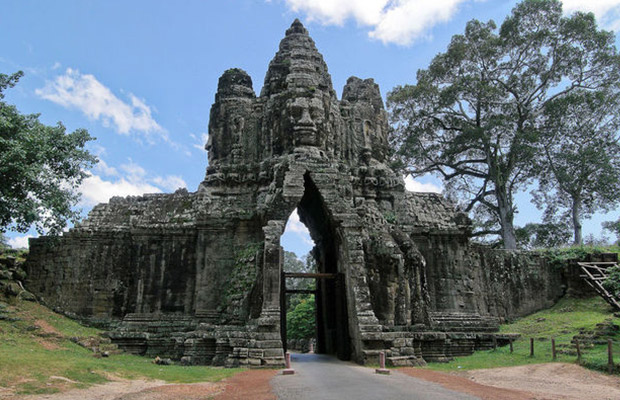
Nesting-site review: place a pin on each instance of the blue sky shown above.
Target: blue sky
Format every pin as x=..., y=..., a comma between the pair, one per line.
x=141, y=75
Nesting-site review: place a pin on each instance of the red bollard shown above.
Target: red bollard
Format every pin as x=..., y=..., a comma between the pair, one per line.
x=382, y=369
x=287, y=362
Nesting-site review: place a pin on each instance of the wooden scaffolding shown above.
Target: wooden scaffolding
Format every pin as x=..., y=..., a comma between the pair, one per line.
x=595, y=273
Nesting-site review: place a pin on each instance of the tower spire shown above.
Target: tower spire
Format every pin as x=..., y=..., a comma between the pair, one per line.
x=297, y=64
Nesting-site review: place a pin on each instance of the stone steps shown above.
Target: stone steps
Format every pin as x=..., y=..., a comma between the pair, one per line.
x=463, y=322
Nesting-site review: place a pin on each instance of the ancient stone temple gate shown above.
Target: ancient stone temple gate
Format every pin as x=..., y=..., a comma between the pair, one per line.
x=197, y=276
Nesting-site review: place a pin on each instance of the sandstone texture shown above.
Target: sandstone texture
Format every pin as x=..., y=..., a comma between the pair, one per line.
x=197, y=276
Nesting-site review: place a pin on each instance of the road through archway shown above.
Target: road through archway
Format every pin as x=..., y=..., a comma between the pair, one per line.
x=319, y=376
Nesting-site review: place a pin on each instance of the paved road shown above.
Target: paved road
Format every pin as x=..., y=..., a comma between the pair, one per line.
x=326, y=378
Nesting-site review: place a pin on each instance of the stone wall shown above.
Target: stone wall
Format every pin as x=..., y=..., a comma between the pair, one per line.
x=516, y=284
x=465, y=278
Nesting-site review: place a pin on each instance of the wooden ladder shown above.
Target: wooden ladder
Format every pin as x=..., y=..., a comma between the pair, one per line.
x=595, y=273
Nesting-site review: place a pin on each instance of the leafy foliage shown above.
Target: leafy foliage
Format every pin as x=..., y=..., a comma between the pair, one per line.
x=301, y=321
x=580, y=166
x=559, y=256
x=474, y=115
x=41, y=168
x=543, y=235
x=613, y=227
x=301, y=309
x=238, y=287
x=293, y=264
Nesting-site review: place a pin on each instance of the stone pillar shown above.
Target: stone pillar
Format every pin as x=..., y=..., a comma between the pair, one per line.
x=272, y=269
x=266, y=347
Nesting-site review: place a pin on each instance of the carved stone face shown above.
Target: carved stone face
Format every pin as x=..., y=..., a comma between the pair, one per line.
x=305, y=119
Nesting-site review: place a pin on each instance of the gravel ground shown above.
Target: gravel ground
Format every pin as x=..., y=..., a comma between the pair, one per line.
x=551, y=381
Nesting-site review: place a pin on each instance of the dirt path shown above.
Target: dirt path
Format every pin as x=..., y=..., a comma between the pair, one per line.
x=552, y=381
x=106, y=391
x=253, y=384
x=464, y=385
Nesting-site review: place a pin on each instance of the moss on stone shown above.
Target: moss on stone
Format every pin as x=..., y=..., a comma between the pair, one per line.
x=240, y=282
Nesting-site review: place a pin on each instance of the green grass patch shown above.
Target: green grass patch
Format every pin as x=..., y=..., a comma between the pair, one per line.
x=569, y=317
x=32, y=355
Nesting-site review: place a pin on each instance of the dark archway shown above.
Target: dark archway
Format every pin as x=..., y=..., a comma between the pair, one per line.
x=332, y=323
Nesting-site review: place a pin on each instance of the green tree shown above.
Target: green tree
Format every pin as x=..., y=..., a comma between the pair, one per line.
x=580, y=166
x=613, y=227
x=41, y=168
x=291, y=263
x=473, y=116
x=543, y=235
x=301, y=322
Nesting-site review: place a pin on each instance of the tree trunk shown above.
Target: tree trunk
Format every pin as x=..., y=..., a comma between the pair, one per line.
x=576, y=211
x=506, y=217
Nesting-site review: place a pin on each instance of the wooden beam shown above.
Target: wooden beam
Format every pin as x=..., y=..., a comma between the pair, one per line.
x=595, y=263
x=309, y=275
x=595, y=281
x=300, y=291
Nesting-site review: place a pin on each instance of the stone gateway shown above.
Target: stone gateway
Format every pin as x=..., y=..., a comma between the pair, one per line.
x=197, y=276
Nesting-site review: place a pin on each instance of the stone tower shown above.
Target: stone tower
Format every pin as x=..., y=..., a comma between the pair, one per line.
x=197, y=276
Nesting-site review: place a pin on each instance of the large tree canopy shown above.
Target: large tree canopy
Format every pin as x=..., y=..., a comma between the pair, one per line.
x=580, y=165
x=474, y=115
x=40, y=169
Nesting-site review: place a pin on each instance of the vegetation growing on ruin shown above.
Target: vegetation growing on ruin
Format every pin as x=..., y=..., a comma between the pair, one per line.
x=558, y=256
x=241, y=281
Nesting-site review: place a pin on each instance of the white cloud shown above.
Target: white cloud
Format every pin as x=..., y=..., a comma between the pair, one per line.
x=56, y=65
x=170, y=182
x=133, y=180
x=96, y=190
x=391, y=21
x=85, y=93
x=415, y=186
x=134, y=171
x=97, y=149
x=105, y=169
x=200, y=142
x=607, y=11
x=294, y=225
x=19, y=242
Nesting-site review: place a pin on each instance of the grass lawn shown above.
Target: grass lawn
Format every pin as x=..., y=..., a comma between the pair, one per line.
x=566, y=319
x=36, y=346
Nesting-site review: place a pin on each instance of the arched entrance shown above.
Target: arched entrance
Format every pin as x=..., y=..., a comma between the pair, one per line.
x=332, y=322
